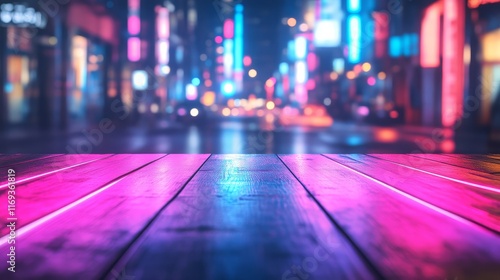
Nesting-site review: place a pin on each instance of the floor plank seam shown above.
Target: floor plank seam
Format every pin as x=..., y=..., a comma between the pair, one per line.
x=422, y=202
x=443, y=162
x=26, y=228
x=474, y=185
x=55, y=171
x=366, y=260
x=136, y=241
x=31, y=160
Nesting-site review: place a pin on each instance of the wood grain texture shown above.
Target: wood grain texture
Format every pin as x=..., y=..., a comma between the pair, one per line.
x=404, y=237
x=9, y=161
x=84, y=241
x=478, y=165
x=38, y=198
x=476, y=157
x=27, y=170
x=478, y=205
x=243, y=224
x=451, y=171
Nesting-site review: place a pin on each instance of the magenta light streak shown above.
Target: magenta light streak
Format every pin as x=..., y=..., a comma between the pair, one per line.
x=134, y=25
x=163, y=50
x=134, y=4
x=51, y=172
x=229, y=29
x=134, y=49
x=311, y=84
x=452, y=179
x=371, y=81
x=54, y=214
x=163, y=24
x=312, y=62
x=417, y=200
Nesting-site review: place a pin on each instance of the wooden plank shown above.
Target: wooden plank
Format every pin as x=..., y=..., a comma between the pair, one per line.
x=235, y=221
x=487, y=167
x=38, y=198
x=32, y=170
x=10, y=161
x=477, y=203
x=405, y=237
x=451, y=171
x=495, y=156
x=475, y=158
x=84, y=241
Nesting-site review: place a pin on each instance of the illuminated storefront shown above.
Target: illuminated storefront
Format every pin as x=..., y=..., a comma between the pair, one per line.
x=489, y=60
x=55, y=71
x=20, y=24
x=91, y=41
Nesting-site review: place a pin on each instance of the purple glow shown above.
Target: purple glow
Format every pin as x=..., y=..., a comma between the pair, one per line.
x=371, y=81
x=134, y=49
x=229, y=29
x=134, y=25
x=163, y=50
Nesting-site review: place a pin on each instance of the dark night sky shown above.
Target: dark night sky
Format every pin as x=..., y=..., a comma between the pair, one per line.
x=263, y=30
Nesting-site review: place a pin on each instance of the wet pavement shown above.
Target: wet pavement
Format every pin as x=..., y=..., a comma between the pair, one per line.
x=248, y=137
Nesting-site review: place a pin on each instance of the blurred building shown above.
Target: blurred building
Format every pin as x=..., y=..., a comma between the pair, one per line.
x=56, y=62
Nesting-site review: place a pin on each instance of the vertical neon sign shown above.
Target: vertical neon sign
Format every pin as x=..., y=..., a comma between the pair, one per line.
x=229, y=29
x=453, y=63
x=228, y=58
x=238, y=47
x=353, y=6
x=354, y=39
x=327, y=30
x=430, y=36
x=134, y=29
x=301, y=71
x=163, y=34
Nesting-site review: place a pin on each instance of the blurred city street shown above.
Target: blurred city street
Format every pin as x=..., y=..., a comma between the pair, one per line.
x=245, y=137
x=237, y=76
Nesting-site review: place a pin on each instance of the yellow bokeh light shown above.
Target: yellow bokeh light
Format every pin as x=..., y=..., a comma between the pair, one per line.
x=291, y=22
x=252, y=73
x=366, y=66
x=208, y=99
x=270, y=105
x=226, y=112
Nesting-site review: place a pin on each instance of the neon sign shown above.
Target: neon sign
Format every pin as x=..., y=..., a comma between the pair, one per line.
x=22, y=16
x=453, y=67
x=476, y=3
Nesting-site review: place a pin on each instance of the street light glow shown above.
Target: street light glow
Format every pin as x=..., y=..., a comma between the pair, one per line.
x=252, y=73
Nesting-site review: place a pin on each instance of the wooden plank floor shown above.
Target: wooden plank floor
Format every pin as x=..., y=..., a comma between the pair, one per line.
x=244, y=217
